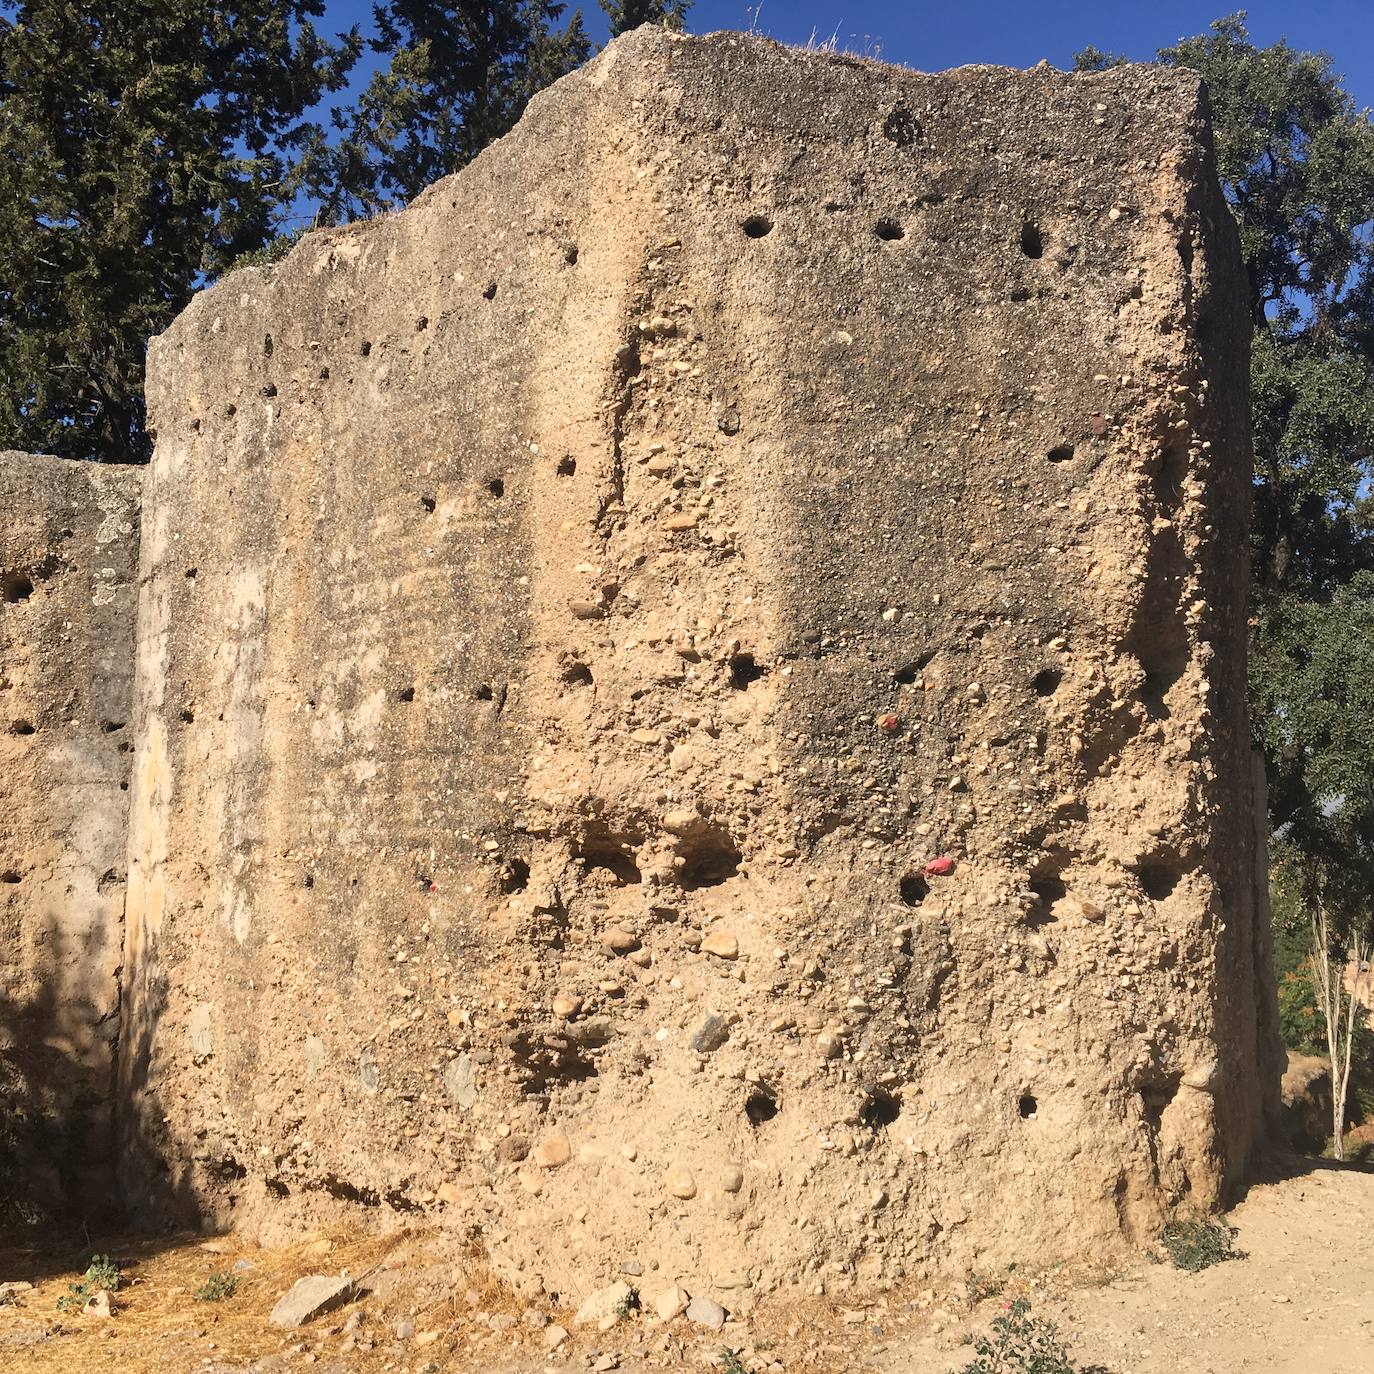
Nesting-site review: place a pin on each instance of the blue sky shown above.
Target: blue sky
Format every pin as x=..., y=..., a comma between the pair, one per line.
x=933, y=34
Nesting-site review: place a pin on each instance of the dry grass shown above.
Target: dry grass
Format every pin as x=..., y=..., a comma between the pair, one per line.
x=160, y=1326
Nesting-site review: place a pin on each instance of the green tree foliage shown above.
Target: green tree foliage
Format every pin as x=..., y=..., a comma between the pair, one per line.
x=456, y=78
x=1300, y=1016
x=1296, y=159
x=146, y=146
x=630, y=14
x=142, y=148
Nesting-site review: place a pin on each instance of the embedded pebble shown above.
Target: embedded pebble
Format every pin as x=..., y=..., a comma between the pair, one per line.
x=721, y=943
x=552, y=1152
x=680, y=1182
x=713, y=1032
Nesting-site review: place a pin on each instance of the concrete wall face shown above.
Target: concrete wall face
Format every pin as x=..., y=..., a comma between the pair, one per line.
x=691, y=687
x=68, y=554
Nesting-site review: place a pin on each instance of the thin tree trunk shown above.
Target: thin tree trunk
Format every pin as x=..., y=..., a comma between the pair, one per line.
x=1352, y=1012
x=1331, y=1013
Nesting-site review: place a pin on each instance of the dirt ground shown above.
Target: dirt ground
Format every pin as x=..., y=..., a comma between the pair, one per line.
x=1297, y=1303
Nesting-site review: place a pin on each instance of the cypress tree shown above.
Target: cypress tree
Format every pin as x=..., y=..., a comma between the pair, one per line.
x=143, y=145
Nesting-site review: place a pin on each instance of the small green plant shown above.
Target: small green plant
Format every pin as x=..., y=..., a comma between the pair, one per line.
x=1195, y=1245
x=220, y=1285
x=1359, y=1147
x=1020, y=1344
x=629, y=1303
x=730, y=1361
x=102, y=1273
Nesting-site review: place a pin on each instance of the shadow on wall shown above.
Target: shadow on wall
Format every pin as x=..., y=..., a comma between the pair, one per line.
x=54, y=1112
x=59, y=1148
x=155, y=1198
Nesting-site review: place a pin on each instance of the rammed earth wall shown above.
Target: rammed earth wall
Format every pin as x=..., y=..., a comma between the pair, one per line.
x=68, y=560
x=690, y=689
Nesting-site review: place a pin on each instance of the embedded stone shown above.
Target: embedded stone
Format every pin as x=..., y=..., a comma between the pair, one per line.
x=619, y=940
x=553, y=1152
x=713, y=1032
x=680, y=1182
x=721, y=943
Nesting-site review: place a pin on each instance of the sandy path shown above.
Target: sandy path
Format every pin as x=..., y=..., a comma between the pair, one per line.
x=1299, y=1303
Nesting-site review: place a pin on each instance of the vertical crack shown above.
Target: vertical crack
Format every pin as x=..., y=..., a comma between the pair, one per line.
x=628, y=364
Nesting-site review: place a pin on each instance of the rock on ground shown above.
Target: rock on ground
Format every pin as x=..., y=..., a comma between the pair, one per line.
x=310, y=1297
x=604, y=1305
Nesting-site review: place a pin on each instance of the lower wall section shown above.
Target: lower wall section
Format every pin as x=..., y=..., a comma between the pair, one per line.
x=68, y=559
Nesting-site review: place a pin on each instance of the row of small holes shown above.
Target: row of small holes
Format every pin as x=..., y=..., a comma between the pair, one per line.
x=880, y=1110
x=495, y=486
x=483, y=693
x=889, y=230
x=757, y=226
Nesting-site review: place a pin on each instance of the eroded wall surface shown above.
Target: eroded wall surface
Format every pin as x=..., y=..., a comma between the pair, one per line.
x=68, y=559
x=690, y=688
